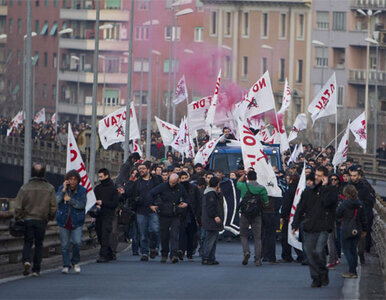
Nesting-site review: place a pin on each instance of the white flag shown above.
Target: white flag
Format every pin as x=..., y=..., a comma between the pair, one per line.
x=112, y=128
x=205, y=151
x=168, y=131
x=259, y=99
x=358, y=128
x=254, y=157
x=294, y=242
x=135, y=147
x=299, y=125
x=53, y=118
x=197, y=113
x=341, y=154
x=180, y=143
x=181, y=92
x=295, y=153
x=75, y=162
x=212, y=108
x=18, y=119
x=286, y=98
x=284, y=145
x=324, y=103
x=40, y=116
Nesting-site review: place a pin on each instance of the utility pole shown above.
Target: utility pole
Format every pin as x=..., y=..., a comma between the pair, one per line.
x=148, y=121
x=93, y=144
x=28, y=104
x=129, y=81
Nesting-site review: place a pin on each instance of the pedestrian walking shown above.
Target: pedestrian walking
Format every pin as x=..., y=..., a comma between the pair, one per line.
x=316, y=210
x=71, y=198
x=253, y=197
x=212, y=220
x=352, y=213
x=107, y=200
x=36, y=205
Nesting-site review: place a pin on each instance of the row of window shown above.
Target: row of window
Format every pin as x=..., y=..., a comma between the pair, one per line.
x=264, y=27
x=171, y=33
x=338, y=20
x=37, y=2
x=43, y=31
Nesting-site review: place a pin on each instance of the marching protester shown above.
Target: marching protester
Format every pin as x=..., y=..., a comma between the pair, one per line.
x=107, y=202
x=352, y=213
x=212, y=220
x=71, y=198
x=147, y=220
x=316, y=210
x=36, y=205
x=169, y=199
x=253, y=197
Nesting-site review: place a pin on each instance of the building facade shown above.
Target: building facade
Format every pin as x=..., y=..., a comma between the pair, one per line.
x=339, y=32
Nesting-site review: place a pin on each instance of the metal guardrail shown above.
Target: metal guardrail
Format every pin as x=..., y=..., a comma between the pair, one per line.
x=379, y=233
x=12, y=247
x=374, y=168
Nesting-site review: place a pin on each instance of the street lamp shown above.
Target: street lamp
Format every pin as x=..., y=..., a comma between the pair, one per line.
x=323, y=46
x=157, y=80
x=24, y=66
x=188, y=51
x=104, y=83
x=183, y=12
x=3, y=36
x=153, y=22
x=61, y=32
x=367, y=14
x=374, y=42
x=77, y=59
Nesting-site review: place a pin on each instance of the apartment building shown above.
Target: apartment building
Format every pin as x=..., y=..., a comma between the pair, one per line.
x=260, y=36
x=339, y=31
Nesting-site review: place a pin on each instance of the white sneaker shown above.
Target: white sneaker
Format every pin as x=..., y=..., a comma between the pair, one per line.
x=77, y=268
x=65, y=270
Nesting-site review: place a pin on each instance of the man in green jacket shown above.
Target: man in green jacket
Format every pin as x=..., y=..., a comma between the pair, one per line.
x=255, y=221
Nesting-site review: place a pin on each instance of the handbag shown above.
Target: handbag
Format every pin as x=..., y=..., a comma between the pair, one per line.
x=16, y=228
x=352, y=229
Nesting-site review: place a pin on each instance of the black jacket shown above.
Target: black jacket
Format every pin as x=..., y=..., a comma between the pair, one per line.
x=212, y=207
x=107, y=192
x=168, y=198
x=195, y=201
x=365, y=195
x=316, y=209
x=288, y=200
x=139, y=193
x=346, y=211
x=124, y=172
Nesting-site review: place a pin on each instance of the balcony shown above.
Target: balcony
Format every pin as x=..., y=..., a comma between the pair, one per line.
x=368, y=4
x=85, y=109
x=359, y=77
x=3, y=10
x=88, y=77
x=116, y=15
x=89, y=44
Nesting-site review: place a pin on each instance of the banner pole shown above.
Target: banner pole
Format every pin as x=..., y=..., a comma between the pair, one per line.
x=336, y=137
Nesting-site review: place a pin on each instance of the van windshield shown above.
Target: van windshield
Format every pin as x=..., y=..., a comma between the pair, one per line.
x=228, y=162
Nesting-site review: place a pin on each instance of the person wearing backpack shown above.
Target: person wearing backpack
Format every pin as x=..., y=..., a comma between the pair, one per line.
x=351, y=211
x=253, y=196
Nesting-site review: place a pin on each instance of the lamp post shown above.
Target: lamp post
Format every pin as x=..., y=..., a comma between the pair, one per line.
x=323, y=46
x=369, y=13
x=271, y=50
x=183, y=12
x=374, y=42
x=157, y=80
x=104, y=83
x=24, y=65
x=61, y=32
x=77, y=59
x=188, y=51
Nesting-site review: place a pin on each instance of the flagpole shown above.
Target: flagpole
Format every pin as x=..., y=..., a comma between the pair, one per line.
x=330, y=142
x=336, y=124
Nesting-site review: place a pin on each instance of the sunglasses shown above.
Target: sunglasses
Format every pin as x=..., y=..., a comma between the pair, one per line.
x=335, y=179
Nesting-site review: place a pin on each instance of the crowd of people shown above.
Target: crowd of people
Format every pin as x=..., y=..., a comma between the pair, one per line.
x=174, y=209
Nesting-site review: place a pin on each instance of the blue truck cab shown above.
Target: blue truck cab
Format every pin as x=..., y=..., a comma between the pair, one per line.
x=228, y=157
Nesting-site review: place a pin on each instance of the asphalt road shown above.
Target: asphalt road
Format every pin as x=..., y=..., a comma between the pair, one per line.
x=129, y=278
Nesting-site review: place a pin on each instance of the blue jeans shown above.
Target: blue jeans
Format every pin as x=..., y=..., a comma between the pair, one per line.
x=315, y=247
x=209, y=247
x=268, y=237
x=133, y=233
x=75, y=236
x=351, y=253
x=149, y=228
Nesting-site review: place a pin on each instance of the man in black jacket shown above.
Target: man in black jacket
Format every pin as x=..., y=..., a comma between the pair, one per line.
x=367, y=196
x=148, y=221
x=316, y=209
x=125, y=170
x=169, y=199
x=107, y=200
x=190, y=220
x=212, y=220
